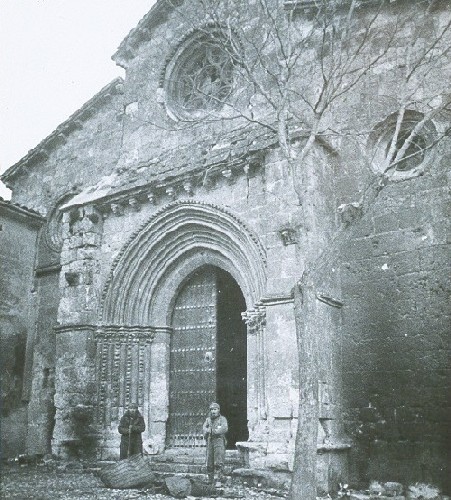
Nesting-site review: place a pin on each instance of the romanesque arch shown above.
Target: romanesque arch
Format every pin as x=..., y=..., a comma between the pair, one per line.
x=176, y=240
x=134, y=330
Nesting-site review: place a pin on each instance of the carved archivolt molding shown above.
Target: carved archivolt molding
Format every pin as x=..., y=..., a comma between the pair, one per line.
x=180, y=236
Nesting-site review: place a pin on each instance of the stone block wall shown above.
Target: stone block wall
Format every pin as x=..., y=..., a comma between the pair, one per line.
x=395, y=350
x=378, y=314
x=81, y=156
x=18, y=235
x=41, y=407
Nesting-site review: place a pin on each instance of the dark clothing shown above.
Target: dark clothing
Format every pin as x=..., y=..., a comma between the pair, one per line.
x=130, y=428
x=214, y=432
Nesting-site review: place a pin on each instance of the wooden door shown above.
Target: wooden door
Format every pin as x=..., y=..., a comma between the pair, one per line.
x=192, y=359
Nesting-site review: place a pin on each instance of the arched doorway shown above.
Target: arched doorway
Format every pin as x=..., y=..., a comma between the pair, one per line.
x=208, y=357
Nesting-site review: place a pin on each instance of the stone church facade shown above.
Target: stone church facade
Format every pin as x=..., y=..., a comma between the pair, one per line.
x=168, y=265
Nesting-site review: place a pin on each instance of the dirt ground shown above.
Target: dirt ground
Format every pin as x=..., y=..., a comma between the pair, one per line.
x=43, y=483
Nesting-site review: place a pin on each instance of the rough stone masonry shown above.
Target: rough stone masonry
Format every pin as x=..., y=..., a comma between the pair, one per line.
x=196, y=227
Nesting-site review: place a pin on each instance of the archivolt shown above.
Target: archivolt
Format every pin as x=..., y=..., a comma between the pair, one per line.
x=158, y=257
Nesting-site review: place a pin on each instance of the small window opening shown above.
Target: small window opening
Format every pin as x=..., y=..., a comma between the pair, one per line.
x=414, y=154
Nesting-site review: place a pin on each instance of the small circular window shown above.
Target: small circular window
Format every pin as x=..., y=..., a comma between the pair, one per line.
x=411, y=150
x=199, y=79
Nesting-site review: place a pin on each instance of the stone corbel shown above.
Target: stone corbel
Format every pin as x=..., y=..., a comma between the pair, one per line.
x=188, y=187
x=170, y=191
x=151, y=198
x=134, y=204
x=227, y=174
x=117, y=209
x=288, y=235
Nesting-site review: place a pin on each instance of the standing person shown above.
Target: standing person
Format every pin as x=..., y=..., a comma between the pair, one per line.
x=130, y=427
x=215, y=428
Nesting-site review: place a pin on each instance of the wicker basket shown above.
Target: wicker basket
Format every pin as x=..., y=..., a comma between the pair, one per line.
x=133, y=472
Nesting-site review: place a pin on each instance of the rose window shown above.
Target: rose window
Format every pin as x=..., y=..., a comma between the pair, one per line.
x=200, y=78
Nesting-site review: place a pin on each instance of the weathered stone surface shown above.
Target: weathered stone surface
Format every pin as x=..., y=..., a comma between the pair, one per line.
x=18, y=232
x=147, y=200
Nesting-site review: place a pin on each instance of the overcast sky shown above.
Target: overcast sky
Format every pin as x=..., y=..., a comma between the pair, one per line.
x=54, y=56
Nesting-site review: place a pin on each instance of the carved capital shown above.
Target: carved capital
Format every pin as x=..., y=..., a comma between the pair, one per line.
x=125, y=333
x=255, y=319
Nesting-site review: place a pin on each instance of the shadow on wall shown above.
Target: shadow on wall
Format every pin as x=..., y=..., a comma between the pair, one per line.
x=84, y=444
x=12, y=361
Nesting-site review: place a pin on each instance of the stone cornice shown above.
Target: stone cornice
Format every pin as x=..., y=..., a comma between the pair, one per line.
x=158, y=14
x=19, y=212
x=45, y=271
x=178, y=174
x=165, y=186
x=60, y=134
x=275, y=300
x=74, y=328
x=313, y=5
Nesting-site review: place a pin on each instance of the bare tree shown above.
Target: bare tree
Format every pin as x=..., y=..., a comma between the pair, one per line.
x=288, y=67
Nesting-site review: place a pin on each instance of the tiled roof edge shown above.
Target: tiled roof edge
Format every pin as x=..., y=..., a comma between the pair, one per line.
x=21, y=210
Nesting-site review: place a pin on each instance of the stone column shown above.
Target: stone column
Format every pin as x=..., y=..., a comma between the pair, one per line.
x=272, y=383
x=257, y=404
x=74, y=433
x=123, y=376
x=159, y=390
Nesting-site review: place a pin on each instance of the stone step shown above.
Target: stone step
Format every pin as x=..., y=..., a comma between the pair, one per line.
x=178, y=468
x=190, y=461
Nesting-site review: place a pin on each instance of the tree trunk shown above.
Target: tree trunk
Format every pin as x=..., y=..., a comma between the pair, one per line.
x=303, y=485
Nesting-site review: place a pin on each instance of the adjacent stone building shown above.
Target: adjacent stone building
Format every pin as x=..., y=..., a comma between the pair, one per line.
x=185, y=248
x=19, y=229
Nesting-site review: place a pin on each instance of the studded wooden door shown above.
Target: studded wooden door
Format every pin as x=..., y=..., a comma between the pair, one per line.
x=192, y=359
